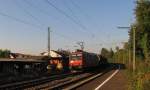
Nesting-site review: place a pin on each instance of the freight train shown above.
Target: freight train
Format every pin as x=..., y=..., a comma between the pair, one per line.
x=81, y=60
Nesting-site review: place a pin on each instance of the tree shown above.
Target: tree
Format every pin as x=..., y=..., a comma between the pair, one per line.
x=108, y=54
x=142, y=29
x=105, y=52
x=117, y=48
x=111, y=53
x=4, y=53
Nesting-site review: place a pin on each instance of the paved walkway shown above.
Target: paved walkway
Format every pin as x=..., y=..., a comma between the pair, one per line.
x=117, y=82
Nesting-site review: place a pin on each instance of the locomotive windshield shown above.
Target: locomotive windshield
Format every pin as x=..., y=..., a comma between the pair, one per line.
x=76, y=56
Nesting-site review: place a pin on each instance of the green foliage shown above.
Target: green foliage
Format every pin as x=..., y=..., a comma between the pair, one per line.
x=107, y=54
x=144, y=45
x=140, y=78
x=146, y=85
x=121, y=56
x=4, y=53
x=111, y=53
x=104, y=52
x=142, y=29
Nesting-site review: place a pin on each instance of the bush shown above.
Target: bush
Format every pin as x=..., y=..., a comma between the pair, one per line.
x=146, y=85
x=4, y=53
x=140, y=79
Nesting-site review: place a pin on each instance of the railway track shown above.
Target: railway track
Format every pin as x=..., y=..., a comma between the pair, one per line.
x=57, y=82
x=75, y=83
x=35, y=82
x=70, y=82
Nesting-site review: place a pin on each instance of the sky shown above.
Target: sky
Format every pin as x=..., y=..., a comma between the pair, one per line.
x=24, y=24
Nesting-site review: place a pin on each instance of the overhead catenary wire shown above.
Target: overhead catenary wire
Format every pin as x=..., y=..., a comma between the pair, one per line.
x=58, y=34
x=80, y=9
x=66, y=15
x=46, y=13
x=32, y=16
x=65, y=37
x=19, y=20
x=40, y=10
x=71, y=11
x=33, y=25
x=73, y=14
x=30, y=4
x=30, y=24
x=27, y=12
x=84, y=13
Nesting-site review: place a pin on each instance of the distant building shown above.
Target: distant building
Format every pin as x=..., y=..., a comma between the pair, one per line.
x=23, y=56
x=59, y=59
x=18, y=55
x=53, y=54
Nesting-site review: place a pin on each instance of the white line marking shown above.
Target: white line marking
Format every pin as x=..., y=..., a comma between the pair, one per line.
x=97, y=88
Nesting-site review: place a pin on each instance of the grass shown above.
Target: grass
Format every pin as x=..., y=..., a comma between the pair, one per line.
x=140, y=79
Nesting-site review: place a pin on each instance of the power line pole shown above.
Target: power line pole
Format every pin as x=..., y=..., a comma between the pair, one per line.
x=48, y=41
x=129, y=56
x=134, y=67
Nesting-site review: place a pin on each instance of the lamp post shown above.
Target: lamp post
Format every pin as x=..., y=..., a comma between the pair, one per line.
x=134, y=66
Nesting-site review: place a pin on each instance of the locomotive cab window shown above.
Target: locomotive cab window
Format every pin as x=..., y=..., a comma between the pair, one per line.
x=76, y=57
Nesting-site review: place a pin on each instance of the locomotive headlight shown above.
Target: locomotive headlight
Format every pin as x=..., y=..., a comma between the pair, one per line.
x=71, y=61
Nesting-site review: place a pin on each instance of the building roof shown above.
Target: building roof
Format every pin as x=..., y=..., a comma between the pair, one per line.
x=20, y=60
x=56, y=54
x=52, y=54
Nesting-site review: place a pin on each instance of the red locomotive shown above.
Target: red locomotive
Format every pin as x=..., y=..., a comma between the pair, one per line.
x=82, y=60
